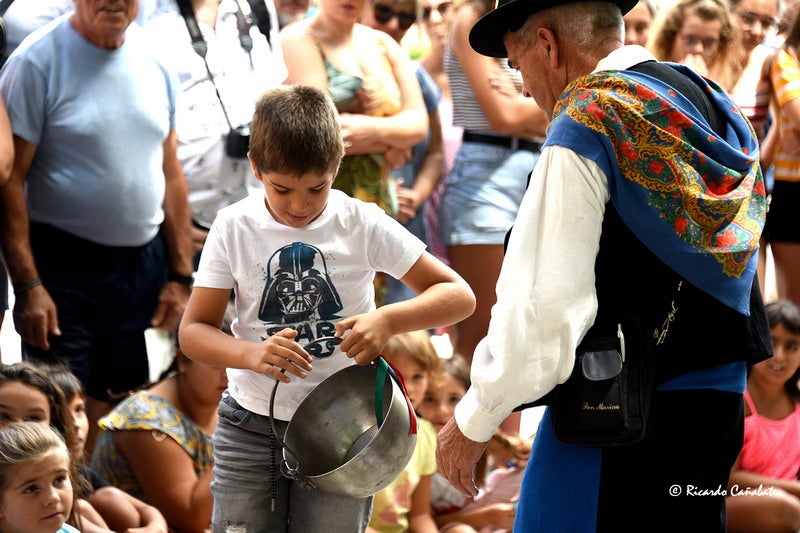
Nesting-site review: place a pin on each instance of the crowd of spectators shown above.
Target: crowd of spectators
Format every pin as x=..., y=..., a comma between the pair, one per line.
x=123, y=130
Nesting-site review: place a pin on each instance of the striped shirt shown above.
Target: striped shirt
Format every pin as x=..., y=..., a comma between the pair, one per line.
x=467, y=111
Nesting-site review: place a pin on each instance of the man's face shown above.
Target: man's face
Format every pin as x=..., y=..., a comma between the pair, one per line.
x=291, y=10
x=532, y=61
x=103, y=22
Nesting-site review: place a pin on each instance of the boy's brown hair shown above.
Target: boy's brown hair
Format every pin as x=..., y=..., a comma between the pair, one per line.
x=296, y=131
x=416, y=345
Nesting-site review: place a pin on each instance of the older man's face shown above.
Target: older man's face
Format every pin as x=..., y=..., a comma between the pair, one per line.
x=532, y=62
x=103, y=22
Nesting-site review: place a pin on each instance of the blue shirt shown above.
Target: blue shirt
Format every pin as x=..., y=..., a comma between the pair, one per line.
x=99, y=119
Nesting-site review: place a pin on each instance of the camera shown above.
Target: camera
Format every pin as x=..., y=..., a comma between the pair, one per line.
x=237, y=143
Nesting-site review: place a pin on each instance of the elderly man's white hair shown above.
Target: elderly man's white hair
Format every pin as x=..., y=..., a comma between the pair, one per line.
x=588, y=24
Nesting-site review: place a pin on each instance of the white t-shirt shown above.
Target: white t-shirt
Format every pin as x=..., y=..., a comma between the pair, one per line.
x=303, y=278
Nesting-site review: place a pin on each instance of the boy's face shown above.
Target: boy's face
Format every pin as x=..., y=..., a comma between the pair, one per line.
x=293, y=201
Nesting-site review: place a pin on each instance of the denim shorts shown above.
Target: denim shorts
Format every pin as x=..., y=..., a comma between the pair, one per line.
x=483, y=193
x=247, y=481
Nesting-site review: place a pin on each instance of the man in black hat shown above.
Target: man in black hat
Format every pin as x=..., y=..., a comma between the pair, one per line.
x=635, y=245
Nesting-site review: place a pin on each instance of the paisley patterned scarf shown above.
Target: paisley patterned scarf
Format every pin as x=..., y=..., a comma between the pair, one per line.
x=695, y=199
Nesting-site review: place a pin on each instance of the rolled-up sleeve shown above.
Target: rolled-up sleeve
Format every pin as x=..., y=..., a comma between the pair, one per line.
x=546, y=298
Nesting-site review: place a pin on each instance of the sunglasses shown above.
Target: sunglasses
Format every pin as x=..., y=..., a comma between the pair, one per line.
x=441, y=8
x=384, y=15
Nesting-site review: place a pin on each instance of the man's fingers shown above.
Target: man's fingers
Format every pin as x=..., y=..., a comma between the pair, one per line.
x=467, y=481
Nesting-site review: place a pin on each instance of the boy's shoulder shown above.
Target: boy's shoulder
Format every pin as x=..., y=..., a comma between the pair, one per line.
x=249, y=207
x=340, y=204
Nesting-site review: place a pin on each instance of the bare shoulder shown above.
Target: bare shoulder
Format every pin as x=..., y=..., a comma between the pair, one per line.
x=365, y=36
x=295, y=33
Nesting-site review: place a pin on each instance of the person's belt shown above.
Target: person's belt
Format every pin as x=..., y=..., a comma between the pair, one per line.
x=513, y=143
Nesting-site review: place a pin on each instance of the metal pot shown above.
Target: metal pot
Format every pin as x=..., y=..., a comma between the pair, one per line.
x=341, y=440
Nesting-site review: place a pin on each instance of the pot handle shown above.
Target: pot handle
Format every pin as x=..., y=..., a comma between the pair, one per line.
x=384, y=368
x=286, y=470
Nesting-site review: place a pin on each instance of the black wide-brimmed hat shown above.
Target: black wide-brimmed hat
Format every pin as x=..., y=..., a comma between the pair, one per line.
x=486, y=36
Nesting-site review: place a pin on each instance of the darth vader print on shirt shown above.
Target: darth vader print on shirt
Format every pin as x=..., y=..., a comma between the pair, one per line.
x=299, y=293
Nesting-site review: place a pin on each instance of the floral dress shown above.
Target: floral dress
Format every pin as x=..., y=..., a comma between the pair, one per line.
x=377, y=94
x=145, y=411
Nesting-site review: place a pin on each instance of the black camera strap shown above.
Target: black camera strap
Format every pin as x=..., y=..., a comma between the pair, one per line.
x=201, y=47
x=4, y=5
x=260, y=15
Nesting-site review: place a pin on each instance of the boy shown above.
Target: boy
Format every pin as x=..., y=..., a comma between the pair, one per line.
x=301, y=261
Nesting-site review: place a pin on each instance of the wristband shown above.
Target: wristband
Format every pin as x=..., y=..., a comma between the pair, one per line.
x=180, y=278
x=25, y=287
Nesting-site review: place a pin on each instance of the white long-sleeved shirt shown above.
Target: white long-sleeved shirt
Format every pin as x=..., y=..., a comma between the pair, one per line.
x=546, y=299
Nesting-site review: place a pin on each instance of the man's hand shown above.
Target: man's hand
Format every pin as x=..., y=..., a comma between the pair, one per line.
x=456, y=456
x=171, y=305
x=35, y=317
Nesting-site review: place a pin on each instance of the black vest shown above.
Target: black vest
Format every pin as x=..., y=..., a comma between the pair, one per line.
x=631, y=280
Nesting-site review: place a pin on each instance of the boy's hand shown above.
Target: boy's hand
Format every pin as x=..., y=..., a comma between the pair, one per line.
x=280, y=353
x=369, y=333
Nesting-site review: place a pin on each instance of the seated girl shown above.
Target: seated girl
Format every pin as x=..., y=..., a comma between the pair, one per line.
x=156, y=444
x=763, y=491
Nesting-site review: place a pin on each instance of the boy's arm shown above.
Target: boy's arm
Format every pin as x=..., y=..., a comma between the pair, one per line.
x=443, y=298
x=202, y=340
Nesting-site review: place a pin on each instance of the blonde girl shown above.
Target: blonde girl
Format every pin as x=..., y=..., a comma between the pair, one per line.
x=35, y=485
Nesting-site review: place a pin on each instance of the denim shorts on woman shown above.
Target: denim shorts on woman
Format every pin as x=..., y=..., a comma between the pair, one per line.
x=483, y=193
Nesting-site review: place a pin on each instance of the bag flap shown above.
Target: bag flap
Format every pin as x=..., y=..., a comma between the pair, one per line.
x=601, y=365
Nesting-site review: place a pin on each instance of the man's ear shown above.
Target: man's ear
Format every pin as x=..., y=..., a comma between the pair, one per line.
x=548, y=41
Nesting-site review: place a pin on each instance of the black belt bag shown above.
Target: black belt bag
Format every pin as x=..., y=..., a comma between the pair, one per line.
x=512, y=143
x=608, y=398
